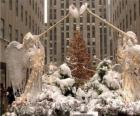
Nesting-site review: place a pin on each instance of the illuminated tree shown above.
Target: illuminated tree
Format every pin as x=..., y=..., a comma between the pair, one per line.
x=79, y=60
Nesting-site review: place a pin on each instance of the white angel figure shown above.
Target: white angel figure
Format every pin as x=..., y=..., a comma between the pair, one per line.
x=20, y=57
x=129, y=54
x=75, y=12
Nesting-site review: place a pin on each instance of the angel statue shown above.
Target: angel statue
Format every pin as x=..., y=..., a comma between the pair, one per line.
x=25, y=64
x=129, y=57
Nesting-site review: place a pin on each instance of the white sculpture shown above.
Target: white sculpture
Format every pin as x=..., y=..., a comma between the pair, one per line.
x=129, y=57
x=75, y=12
x=20, y=57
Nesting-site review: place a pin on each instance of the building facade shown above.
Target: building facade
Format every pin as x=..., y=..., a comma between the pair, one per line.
x=93, y=31
x=17, y=17
x=125, y=14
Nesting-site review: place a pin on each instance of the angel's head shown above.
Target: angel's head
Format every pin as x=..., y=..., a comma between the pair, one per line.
x=29, y=40
x=130, y=41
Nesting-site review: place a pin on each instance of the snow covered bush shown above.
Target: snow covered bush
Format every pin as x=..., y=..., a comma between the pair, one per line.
x=103, y=67
x=65, y=71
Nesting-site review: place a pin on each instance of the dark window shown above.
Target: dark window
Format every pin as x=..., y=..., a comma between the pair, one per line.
x=26, y=18
x=67, y=4
x=88, y=27
x=81, y=19
x=88, y=35
x=93, y=31
x=130, y=17
x=30, y=2
x=126, y=21
x=2, y=29
x=62, y=12
x=67, y=20
x=36, y=8
x=134, y=11
x=16, y=8
x=67, y=35
x=54, y=13
x=3, y=1
x=30, y=22
x=21, y=37
x=21, y=12
x=62, y=5
x=16, y=35
x=54, y=2
x=67, y=28
x=100, y=2
x=10, y=4
x=93, y=3
x=10, y=32
x=88, y=18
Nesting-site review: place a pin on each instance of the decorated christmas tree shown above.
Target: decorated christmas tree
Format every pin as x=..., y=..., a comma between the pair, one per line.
x=79, y=60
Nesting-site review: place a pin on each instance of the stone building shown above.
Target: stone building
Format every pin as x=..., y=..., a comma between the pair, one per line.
x=93, y=31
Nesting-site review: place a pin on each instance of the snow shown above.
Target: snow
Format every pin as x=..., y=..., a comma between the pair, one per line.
x=65, y=70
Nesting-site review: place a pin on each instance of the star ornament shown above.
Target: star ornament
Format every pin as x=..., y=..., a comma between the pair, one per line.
x=73, y=10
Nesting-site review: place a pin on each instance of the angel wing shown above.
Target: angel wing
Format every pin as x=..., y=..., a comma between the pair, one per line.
x=73, y=11
x=16, y=61
x=83, y=8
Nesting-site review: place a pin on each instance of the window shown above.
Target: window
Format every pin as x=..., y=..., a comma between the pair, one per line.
x=33, y=26
x=62, y=5
x=54, y=13
x=81, y=19
x=16, y=35
x=93, y=19
x=16, y=8
x=21, y=12
x=3, y=1
x=67, y=35
x=81, y=27
x=62, y=12
x=54, y=2
x=67, y=20
x=25, y=17
x=21, y=37
x=126, y=21
x=100, y=2
x=67, y=27
x=93, y=3
x=130, y=17
x=2, y=29
x=33, y=4
x=30, y=22
x=88, y=18
x=10, y=4
x=88, y=35
x=30, y=2
x=10, y=32
x=93, y=31
x=36, y=8
x=88, y=27
x=67, y=4
x=134, y=11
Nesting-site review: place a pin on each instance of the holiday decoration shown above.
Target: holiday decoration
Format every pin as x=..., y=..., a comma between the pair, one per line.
x=128, y=56
x=20, y=57
x=79, y=60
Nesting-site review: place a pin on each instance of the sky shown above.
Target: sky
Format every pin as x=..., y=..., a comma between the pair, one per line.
x=45, y=11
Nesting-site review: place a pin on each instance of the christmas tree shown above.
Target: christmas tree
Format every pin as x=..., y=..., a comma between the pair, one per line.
x=79, y=60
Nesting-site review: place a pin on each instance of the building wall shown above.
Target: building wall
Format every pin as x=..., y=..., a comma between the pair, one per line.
x=58, y=38
x=17, y=17
x=125, y=14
